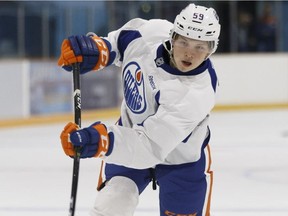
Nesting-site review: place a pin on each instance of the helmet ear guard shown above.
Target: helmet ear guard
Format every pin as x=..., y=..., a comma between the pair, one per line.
x=198, y=23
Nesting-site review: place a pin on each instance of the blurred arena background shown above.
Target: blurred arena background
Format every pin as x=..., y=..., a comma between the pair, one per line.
x=249, y=124
x=251, y=60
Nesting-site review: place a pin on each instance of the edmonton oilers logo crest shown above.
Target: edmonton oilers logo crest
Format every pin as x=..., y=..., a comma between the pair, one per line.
x=134, y=93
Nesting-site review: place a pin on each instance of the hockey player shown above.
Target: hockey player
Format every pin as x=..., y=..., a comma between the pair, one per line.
x=169, y=87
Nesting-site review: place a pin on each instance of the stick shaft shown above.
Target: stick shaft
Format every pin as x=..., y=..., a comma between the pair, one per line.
x=77, y=119
x=77, y=94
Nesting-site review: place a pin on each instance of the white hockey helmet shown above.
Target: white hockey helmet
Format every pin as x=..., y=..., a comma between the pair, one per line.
x=199, y=23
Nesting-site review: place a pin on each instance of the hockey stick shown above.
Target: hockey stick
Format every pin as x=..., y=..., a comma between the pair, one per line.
x=77, y=119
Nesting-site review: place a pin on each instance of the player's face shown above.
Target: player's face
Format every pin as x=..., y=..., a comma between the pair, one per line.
x=188, y=53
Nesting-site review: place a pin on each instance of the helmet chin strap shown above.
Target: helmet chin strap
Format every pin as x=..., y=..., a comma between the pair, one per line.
x=208, y=56
x=166, y=48
x=170, y=52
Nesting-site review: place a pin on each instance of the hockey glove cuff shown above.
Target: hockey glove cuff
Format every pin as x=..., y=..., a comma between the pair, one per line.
x=93, y=141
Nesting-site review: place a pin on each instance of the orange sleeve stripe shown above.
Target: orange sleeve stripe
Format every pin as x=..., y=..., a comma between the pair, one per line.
x=100, y=178
x=211, y=181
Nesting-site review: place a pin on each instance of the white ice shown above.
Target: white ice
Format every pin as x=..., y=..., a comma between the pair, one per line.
x=250, y=163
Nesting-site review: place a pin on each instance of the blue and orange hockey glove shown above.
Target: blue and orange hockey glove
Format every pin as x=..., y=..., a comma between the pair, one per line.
x=90, y=51
x=93, y=141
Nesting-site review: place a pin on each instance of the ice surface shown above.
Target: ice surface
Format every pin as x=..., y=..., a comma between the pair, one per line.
x=250, y=164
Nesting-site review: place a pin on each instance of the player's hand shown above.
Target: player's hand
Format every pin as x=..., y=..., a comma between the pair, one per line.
x=93, y=141
x=90, y=51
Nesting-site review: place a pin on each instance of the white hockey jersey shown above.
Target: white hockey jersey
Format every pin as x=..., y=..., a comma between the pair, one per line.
x=165, y=112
